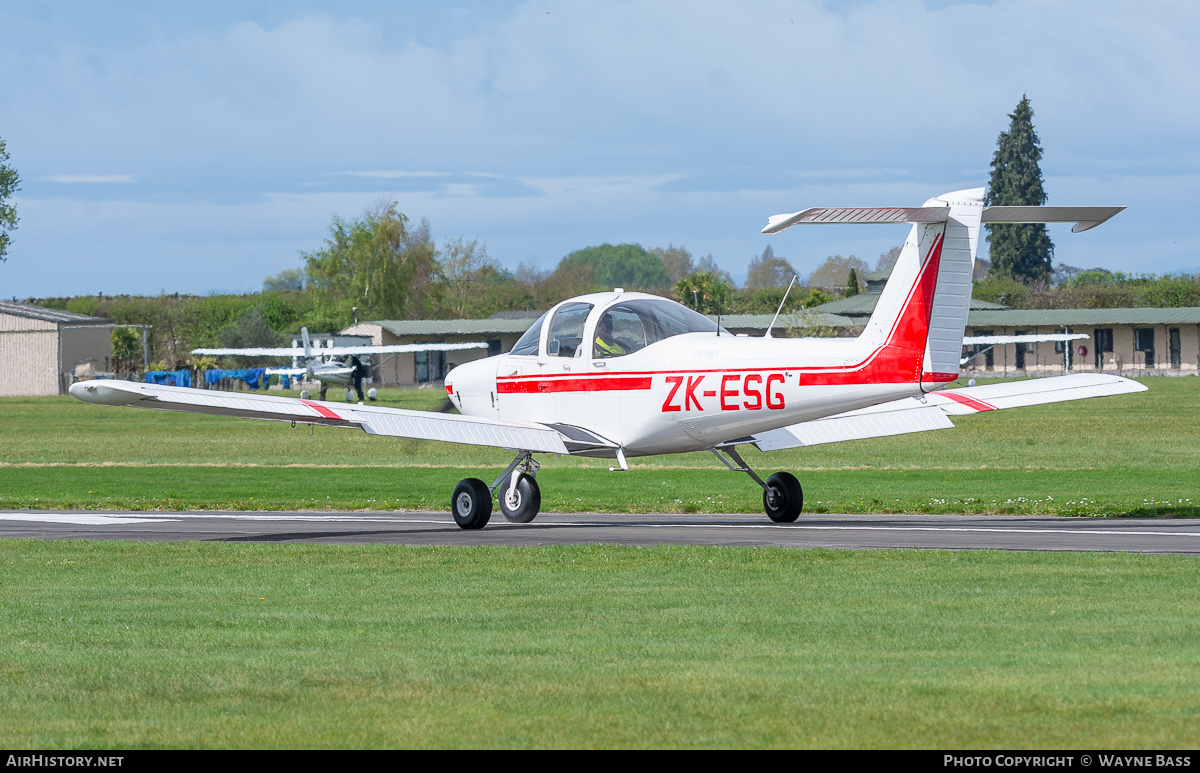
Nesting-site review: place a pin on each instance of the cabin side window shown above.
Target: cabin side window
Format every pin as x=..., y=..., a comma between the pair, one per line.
x=566, y=330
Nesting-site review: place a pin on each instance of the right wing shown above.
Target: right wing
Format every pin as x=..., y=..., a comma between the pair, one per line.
x=911, y=414
x=374, y=420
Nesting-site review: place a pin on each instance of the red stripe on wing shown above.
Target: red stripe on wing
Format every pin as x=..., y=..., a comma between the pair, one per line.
x=968, y=401
x=321, y=410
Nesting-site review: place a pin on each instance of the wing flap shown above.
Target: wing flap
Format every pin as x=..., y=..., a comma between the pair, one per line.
x=836, y=429
x=373, y=420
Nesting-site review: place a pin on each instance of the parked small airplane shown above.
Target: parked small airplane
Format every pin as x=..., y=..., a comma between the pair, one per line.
x=333, y=364
x=618, y=375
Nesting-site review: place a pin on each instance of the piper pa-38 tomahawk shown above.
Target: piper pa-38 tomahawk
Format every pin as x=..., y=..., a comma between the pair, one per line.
x=332, y=364
x=618, y=375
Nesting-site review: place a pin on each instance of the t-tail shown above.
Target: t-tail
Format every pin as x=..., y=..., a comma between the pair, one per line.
x=915, y=333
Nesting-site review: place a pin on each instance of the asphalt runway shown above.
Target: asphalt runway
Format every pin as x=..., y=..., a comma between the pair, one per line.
x=852, y=532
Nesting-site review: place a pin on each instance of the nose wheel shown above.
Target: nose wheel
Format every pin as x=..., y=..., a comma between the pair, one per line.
x=520, y=503
x=783, y=498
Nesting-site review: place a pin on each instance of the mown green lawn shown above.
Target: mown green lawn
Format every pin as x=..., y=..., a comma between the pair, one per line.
x=222, y=645
x=1128, y=455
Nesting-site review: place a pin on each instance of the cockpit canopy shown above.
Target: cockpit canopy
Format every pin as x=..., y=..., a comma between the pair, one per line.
x=618, y=329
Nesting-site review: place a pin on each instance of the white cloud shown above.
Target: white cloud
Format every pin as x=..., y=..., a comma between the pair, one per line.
x=91, y=178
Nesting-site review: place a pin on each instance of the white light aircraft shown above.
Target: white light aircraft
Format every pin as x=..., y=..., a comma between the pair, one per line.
x=332, y=364
x=618, y=375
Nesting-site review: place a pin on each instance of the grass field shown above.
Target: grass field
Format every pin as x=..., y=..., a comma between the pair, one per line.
x=218, y=645
x=120, y=645
x=1128, y=455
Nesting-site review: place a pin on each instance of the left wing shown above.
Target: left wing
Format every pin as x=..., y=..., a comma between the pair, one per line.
x=916, y=415
x=297, y=351
x=374, y=420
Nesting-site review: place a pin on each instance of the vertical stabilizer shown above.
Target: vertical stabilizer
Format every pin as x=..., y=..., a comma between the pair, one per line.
x=952, y=296
x=307, y=346
x=919, y=320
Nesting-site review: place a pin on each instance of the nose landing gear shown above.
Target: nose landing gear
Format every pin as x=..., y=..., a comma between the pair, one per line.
x=783, y=498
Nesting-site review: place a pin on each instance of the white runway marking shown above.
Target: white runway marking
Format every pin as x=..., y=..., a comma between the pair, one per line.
x=80, y=519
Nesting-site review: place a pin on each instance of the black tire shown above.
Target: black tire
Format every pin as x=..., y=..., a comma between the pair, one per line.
x=528, y=500
x=471, y=504
x=788, y=499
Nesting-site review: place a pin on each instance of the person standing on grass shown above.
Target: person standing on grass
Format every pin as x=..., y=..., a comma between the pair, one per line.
x=360, y=370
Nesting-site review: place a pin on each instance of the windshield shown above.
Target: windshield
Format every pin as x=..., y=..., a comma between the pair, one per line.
x=528, y=343
x=627, y=327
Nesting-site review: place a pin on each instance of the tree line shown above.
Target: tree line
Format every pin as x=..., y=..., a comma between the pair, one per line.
x=382, y=265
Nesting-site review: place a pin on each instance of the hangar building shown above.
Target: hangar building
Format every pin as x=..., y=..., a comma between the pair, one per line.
x=40, y=347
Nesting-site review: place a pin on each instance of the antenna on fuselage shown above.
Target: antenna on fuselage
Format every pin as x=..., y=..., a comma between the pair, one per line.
x=777, y=311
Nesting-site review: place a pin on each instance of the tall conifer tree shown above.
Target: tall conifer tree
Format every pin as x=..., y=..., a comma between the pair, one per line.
x=1021, y=251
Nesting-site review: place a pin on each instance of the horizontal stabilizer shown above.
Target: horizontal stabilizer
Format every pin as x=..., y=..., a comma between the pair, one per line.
x=856, y=215
x=909, y=415
x=1084, y=218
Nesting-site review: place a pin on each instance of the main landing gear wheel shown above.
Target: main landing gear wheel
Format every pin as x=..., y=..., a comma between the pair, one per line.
x=783, y=499
x=525, y=502
x=471, y=504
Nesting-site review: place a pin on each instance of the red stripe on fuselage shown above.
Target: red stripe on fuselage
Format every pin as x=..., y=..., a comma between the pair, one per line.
x=321, y=410
x=968, y=401
x=605, y=383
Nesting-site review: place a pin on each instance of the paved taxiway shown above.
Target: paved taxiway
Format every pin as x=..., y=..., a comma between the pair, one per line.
x=857, y=532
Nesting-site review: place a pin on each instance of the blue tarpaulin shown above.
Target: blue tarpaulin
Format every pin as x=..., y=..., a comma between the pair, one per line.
x=254, y=377
x=181, y=378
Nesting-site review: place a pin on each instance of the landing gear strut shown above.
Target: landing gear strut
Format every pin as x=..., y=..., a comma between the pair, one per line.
x=516, y=488
x=783, y=498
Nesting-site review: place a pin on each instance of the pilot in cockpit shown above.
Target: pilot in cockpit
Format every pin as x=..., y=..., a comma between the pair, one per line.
x=606, y=346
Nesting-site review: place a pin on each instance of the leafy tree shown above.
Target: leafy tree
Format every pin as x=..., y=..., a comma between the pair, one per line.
x=9, y=180
x=677, y=261
x=126, y=349
x=708, y=265
x=1022, y=251
x=834, y=273
x=705, y=292
x=473, y=285
x=852, y=284
x=767, y=270
x=618, y=265
x=294, y=279
x=251, y=330
x=889, y=258
x=376, y=264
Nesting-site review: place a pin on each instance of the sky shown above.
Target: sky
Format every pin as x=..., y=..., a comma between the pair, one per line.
x=196, y=148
